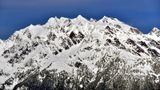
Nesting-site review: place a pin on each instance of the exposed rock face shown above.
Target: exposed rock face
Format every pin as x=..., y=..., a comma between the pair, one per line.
x=80, y=54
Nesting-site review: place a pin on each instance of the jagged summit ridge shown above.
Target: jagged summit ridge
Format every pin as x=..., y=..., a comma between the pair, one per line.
x=80, y=53
x=55, y=22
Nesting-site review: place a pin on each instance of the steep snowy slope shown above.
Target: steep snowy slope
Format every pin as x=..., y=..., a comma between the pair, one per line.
x=80, y=54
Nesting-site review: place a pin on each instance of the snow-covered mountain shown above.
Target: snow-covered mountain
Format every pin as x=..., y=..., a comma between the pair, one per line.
x=80, y=54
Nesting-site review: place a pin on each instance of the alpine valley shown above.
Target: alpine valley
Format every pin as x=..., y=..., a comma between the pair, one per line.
x=80, y=54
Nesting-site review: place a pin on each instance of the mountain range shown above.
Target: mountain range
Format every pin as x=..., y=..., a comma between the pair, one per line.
x=80, y=54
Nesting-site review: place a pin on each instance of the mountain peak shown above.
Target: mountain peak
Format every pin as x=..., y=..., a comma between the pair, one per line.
x=155, y=31
x=104, y=19
x=52, y=20
x=80, y=17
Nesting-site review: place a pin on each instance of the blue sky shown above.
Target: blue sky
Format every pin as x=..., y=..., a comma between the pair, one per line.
x=17, y=14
